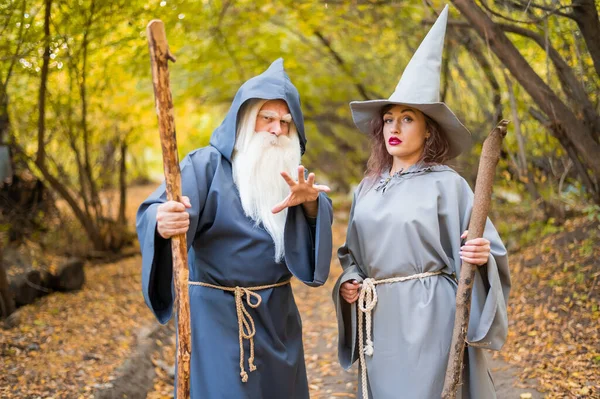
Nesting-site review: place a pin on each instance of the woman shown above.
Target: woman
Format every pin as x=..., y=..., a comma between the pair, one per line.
x=403, y=247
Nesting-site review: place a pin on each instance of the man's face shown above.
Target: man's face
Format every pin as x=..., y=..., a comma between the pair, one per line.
x=274, y=117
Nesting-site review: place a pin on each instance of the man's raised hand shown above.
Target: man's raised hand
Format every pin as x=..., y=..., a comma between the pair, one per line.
x=302, y=191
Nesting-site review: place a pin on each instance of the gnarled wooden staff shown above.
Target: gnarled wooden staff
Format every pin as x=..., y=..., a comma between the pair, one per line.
x=159, y=57
x=490, y=154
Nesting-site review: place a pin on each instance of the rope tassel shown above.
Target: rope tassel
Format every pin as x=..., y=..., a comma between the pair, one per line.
x=367, y=300
x=246, y=326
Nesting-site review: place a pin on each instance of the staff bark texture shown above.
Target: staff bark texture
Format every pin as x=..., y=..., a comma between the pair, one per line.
x=490, y=155
x=159, y=57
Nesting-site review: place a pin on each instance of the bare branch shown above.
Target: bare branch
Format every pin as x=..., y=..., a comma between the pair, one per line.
x=19, y=44
x=343, y=66
x=570, y=130
x=551, y=12
x=572, y=88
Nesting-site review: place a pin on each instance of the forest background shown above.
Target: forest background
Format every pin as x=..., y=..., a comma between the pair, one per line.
x=78, y=137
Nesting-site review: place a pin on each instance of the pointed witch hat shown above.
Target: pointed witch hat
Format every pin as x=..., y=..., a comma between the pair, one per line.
x=419, y=87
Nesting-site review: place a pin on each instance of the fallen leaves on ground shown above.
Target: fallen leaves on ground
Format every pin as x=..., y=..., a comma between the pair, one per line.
x=554, y=316
x=66, y=345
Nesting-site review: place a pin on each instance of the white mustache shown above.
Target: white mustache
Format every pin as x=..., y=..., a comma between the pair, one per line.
x=272, y=139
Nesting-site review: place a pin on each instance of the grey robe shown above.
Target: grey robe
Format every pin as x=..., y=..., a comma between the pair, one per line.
x=226, y=248
x=412, y=224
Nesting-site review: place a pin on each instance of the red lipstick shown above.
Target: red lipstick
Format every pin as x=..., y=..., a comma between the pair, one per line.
x=394, y=141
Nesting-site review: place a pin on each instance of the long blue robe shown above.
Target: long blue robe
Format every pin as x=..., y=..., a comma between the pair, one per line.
x=226, y=248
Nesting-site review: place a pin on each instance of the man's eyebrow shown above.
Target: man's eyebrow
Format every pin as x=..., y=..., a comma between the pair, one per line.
x=273, y=114
x=270, y=114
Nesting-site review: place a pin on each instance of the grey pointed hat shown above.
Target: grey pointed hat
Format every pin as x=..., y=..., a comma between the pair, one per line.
x=419, y=87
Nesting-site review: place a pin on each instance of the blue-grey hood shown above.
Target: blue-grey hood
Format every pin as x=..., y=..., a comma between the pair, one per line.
x=272, y=84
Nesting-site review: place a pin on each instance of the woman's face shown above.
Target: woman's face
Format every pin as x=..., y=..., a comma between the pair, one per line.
x=404, y=132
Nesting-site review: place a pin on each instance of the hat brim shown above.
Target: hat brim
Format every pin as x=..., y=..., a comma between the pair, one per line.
x=457, y=134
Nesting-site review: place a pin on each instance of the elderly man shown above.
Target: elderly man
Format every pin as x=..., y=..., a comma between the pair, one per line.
x=249, y=228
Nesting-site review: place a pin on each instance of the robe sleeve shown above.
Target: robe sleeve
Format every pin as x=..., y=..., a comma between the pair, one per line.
x=488, y=323
x=197, y=170
x=308, y=243
x=346, y=313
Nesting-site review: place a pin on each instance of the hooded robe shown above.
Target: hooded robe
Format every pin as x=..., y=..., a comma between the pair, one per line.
x=403, y=225
x=227, y=248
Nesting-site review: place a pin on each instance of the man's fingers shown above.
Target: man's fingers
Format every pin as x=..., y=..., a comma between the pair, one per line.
x=174, y=232
x=186, y=201
x=301, y=175
x=288, y=179
x=171, y=216
x=278, y=208
x=281, y=206
x=171, y=206
x=168, y=233
x=311, y=179
x=177, y=224
x=321, y=187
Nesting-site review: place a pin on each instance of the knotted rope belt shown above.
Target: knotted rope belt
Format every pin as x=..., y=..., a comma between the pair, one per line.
x=367, y=300
x=246, y=327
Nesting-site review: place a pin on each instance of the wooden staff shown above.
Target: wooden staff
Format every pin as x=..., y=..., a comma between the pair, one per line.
x=490, y=154
x=159, y=57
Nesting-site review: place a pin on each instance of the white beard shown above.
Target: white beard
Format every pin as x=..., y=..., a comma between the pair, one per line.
x=257, y=164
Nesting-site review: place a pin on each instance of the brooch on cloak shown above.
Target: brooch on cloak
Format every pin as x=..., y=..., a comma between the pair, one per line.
x=383, y=183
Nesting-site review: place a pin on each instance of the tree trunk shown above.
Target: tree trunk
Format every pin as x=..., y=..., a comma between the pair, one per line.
x=94, y=195
x=572, y=88
x=122, y=218
x=4, y=117
x=7, y=304
x=571, y=130
x=586, y=16
x=43, y=81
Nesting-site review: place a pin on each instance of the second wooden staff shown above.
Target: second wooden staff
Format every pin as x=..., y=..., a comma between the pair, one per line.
x=490, y=154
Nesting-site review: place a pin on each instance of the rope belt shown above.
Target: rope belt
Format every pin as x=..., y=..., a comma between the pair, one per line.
x=367, y=300
x=246, y=327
